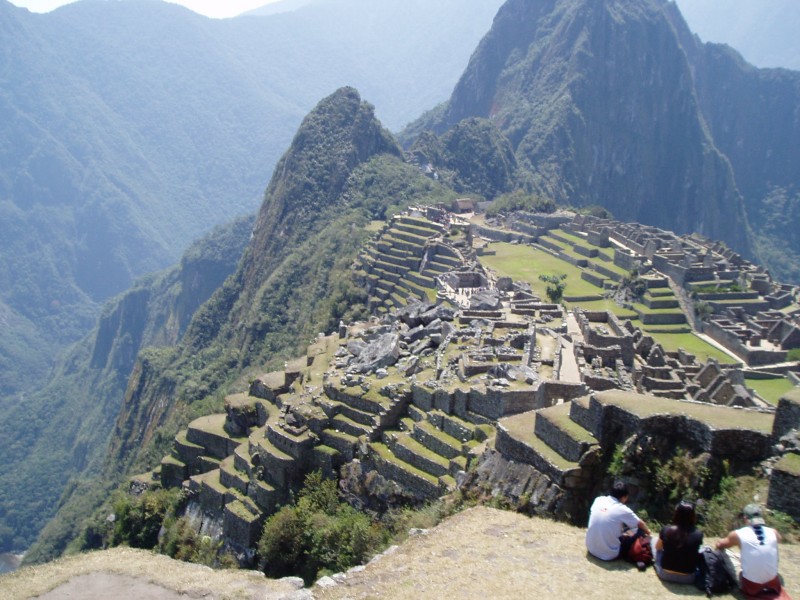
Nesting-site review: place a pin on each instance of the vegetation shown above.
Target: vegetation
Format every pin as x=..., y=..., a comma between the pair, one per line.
x=317, y=535
x=555, y=286
x=520, y=200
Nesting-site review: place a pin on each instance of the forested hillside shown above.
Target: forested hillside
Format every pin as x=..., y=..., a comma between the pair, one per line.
x=293, y=280
x=128, y=129
x=61, y=430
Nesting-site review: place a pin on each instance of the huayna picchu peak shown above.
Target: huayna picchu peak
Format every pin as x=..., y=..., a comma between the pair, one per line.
x=615, y=103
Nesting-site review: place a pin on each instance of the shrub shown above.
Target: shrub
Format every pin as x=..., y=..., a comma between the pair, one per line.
x=317, y=535
x=137, y=519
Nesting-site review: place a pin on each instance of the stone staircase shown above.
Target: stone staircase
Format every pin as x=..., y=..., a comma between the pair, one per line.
x=404, y=261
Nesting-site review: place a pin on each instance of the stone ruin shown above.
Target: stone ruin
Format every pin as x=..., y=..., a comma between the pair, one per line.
x=494, y=388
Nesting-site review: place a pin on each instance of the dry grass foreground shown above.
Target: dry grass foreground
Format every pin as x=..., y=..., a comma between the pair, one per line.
x=126, y=573
x=480, y=553
x=489, y=554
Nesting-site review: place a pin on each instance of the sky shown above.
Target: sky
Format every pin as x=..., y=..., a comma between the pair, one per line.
x=217, y=9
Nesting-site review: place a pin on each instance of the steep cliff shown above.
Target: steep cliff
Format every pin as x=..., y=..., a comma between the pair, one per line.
x=293, y=280
x=59, y=433
x=598, y=101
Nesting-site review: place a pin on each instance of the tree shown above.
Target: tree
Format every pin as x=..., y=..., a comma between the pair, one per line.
x=555, y=286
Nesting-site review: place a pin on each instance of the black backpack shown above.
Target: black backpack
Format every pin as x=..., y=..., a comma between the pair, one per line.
x=712, y=577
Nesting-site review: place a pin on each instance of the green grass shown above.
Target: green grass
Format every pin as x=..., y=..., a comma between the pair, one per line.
x=770, y=390
x=523, y=263
x=789, y=463
x=717, y=417
x=671, y=342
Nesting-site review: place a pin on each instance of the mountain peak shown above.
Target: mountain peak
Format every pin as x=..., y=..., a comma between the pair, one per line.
x=598, y=101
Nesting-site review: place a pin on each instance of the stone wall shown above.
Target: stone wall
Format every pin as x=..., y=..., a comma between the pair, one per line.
x=784, y=486
x=787, y=417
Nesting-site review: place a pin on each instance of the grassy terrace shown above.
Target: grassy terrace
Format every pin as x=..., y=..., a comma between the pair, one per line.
x=671, y=342
x=524, y=263
x=770, y=390
x=559, y=415
x=790, y=309
x=790, y=463
x=717, y=417
x=521, y=427
x=383, y=452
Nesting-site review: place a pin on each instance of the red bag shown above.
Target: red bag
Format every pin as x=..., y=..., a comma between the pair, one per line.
x=641, y=552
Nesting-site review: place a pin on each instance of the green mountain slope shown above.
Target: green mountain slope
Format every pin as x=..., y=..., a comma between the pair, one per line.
x=292, y=281
x=60, y=431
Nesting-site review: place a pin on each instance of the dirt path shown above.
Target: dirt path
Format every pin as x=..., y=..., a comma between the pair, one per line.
x=125, y=573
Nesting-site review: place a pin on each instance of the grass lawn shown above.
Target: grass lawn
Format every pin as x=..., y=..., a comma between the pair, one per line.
x=693, y=344
x=770, y=390
x=523, y=263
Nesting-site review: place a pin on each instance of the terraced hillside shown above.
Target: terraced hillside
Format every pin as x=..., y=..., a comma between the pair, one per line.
x=489, y=385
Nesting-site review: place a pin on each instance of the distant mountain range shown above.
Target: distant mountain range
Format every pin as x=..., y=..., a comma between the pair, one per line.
x=765, y=33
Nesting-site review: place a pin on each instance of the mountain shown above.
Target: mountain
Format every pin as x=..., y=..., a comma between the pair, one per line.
x=764, y=32
x=127, y=130
x=131, y=128
x=292, y=281
x=618, y=104
x=61, y=430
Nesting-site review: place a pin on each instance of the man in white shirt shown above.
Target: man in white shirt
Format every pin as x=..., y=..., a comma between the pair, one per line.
x=756, y=568
x=609, y=518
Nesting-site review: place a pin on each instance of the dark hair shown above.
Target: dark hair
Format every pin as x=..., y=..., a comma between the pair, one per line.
x=684, y=519
x=684, y=515
x=619, y=490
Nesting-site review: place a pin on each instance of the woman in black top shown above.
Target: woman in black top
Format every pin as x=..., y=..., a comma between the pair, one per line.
x=678, y=545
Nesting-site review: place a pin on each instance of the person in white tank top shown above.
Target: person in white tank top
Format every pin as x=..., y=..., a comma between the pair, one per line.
x=756, y=567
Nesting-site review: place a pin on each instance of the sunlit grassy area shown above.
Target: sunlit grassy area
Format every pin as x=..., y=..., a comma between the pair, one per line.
x=671, y=342
x=523, y=263
x=770, y=390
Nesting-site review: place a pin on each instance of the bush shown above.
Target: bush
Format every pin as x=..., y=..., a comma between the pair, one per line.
x=180, y=540
x=137, y=519
x=319, y=534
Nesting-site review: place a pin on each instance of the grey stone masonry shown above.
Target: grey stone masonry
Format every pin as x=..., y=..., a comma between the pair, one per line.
x=784, y=486
x=787, y=417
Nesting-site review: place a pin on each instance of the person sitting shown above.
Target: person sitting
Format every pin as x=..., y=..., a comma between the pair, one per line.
x=677, y=547
x=756, y=567
x=609, y=519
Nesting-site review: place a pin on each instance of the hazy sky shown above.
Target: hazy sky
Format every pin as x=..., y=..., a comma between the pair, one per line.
x=211, y=8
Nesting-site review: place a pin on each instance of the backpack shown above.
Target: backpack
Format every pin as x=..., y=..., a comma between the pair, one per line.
x=637, y=549
x=641, y=552
x=711, y=576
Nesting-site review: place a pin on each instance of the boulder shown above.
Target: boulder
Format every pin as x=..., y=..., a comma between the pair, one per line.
x=383, y=351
